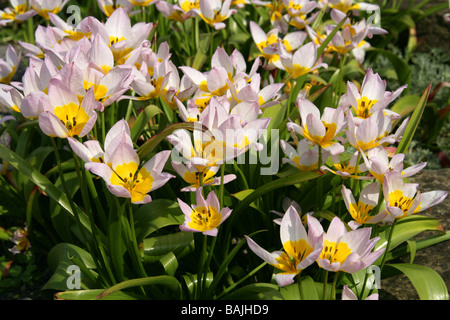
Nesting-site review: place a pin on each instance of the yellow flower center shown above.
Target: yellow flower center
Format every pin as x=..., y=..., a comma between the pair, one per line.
x=211, y=150
x=44, y=13
x=361, y=212
x=303, y=167
x=189, y=5
x=397, y=199
x=205, y=218
x=335, y=252
x=323, y=141
x=364, y=106
x=344, y=6
x=294, y=253
x=138, y=183
x=73, y=117
x=194, y=177
x=272, y=39
x=298, y=71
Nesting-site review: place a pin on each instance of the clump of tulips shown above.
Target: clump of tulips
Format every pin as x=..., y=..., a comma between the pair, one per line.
x=140, y=140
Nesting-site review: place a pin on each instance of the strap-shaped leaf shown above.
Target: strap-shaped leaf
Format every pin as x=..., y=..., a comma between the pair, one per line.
x=427, y=282
x=406, y=228
x=271, y=186
x=60, y=258
x=145, y=150
x=256, y=291
x=179, y=243
x=43, y=183
x=306, y=290
x=142, y=120
x=413, y=122
x=92, y=294
x=166, y=281
x=155, y=215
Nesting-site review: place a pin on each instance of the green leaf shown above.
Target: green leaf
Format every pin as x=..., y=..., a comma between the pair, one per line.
x=412, y=245
x=93, y=294
x=4, y=234
x=179, y=244
x=60, y=220
x=190, y=280
x=60, y=258
x=43, y=183
x=413, y=122
x=142, y=120
x=224, y=265
x=116, y=237
x=307, y=290
x=166, y=281
x=427, y=282
x=256, y=291
x=271, y=186
x=241, y=195
x=400, y=66
x=362, y=282
x=420, y=245
x=155, y=215
x=405, y=105
x=170, y=263
x=330, y=36
x=405, y=229
x=276, y=114
x=145, y=150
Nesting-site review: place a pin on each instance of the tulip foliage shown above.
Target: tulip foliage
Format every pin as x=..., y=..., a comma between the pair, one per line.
x=210, y=150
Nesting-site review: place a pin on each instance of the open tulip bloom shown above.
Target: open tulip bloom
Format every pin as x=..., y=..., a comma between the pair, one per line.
x=205, y=216
x=122, y=171
x=370, y=133
x=348, y=251
x=404, y=199
x=301, y=249
x=215, y=12
x=348, y=169
x=146, y=136
x=66, y=116
x=371, y=97
x=320, y=130
x=302, y=61
x=362, y=211
x=379, y=165
x=304, y=158
x=19, y=11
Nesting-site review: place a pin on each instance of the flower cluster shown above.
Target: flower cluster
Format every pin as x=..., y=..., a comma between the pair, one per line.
x=88, y=85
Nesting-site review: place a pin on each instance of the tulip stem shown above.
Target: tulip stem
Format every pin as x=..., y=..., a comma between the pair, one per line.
x=319, y=180
x=133, y=245
x=237, y=283
x=87, y=203
x=325, y=285
x=333, y=288
x=213, y=242
x=341, y=77
x=63, y=182
x=299, y=284
x=356, y=181
x=391, y=231
x=201, y=265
